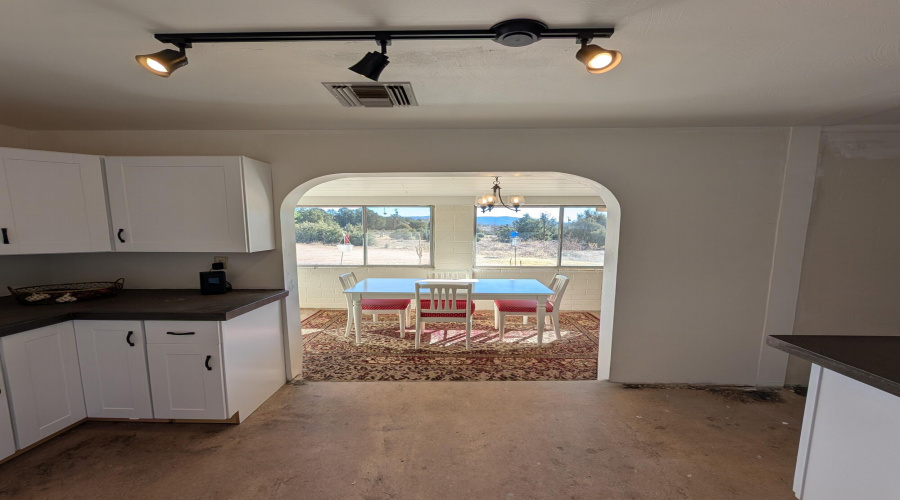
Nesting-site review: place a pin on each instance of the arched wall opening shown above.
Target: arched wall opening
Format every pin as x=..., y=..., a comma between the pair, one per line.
x=293, y=340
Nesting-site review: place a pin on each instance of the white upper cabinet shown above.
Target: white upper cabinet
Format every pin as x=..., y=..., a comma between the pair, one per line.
x=190, y=204
x=52, y=203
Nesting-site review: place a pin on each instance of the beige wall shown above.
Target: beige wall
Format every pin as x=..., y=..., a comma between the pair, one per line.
x=12, y=137
x=698, y=205
x=454, y=230
x=850, y=283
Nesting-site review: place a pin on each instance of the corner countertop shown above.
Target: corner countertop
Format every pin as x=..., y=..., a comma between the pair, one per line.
x=137, y=304
x=871, y=360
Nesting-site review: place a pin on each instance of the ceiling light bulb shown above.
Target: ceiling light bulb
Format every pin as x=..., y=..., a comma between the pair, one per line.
x=154, y=64
x=601, y=60
x=596, y=59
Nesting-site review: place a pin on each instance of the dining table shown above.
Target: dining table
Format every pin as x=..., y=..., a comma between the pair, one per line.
x=482, y=289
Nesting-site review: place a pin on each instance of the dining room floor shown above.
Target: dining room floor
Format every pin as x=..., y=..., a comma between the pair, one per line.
x=387, y=354
x=439, y=440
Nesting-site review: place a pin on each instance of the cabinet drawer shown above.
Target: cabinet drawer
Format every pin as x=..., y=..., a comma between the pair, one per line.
x=182, y=332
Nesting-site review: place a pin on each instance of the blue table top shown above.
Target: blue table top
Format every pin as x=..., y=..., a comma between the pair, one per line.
x=479, y=286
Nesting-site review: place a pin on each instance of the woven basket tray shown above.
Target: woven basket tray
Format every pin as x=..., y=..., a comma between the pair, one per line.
x=67, y=292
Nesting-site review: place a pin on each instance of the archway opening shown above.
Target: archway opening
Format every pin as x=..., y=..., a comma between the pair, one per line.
x=317, y=190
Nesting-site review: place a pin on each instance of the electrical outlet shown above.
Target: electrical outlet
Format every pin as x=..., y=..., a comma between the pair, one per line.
x=222, y=259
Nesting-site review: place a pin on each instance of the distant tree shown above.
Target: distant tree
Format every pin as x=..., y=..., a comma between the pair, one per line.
x=375, y=221
x=529, y=228
x=345, y=216
x=311, y=214
x=588, y=229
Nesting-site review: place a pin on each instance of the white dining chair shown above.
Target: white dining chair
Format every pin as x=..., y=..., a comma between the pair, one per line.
x=449, y=274
x=526, y=308
x=444, y=302
x=374, y=306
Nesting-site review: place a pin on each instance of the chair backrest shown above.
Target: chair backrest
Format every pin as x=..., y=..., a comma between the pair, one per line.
x=443, y=297
x=558, y=285
x=450, y=274
x=348, y=280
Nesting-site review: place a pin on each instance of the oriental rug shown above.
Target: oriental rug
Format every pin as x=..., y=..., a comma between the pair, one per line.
x=385, y=355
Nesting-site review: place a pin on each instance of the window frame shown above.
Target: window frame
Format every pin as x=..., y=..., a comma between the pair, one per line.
x=559, y=264
x=365, y=225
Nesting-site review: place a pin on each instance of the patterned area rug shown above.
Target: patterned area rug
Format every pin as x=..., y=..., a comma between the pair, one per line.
x=384, y=355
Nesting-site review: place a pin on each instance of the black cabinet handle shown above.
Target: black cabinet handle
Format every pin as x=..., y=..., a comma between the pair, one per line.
x=207, y=363
x=128, y=339
x=180, y=333
x=119, y=235
x=5, y=236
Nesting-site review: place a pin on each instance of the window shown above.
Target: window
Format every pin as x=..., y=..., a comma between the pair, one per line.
x=357, y=236
x=541, y=236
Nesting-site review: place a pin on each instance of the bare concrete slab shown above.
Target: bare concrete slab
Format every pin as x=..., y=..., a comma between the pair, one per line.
x=436, y=440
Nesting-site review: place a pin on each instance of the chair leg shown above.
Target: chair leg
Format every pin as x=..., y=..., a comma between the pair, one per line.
x=418, y=331
x=524, y=320
x=496, y=317
x=502, y=325
x=374, y=318
x=402, y=316
x=349, y=323
x=468, y=333
x=554, y=317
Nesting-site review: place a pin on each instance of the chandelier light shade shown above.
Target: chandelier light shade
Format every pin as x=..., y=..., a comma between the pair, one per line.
x=596, y=59
x=164, y=62
x=486, y=202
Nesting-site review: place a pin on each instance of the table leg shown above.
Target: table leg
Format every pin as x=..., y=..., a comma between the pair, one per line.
x=541, y=311
x=357, y=317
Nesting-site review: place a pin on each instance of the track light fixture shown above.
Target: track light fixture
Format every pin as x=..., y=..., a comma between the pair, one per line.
x=597, y=59
x=373, y=63
x=511, y=33
x=164, y=62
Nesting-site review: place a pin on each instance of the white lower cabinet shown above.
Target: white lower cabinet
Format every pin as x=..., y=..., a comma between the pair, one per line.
x=114, y=369
x=187, y=381
x=7, y=440
x=43, y=380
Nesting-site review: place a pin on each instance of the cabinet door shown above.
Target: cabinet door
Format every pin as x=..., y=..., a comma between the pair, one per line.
x=186, y=381
x=114, y=369
x=43, y=380
x=52, y=203
x=7, y=441
x=177, y=204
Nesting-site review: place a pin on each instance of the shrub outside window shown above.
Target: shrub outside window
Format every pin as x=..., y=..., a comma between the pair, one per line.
x=358, y=236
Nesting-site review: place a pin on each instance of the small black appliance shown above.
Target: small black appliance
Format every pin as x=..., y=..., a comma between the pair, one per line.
x=213, y=282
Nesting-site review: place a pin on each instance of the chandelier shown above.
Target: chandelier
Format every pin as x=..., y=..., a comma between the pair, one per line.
x=486, y=202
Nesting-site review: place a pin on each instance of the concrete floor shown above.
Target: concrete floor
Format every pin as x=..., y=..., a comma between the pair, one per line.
x=434, y=440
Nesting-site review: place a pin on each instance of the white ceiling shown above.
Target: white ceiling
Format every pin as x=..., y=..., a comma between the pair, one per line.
x=526, y=184
x=68, y=64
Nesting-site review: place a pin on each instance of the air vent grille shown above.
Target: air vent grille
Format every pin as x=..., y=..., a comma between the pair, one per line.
x=373, y=95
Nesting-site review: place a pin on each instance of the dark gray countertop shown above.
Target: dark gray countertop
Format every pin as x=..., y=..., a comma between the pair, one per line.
x=185, y=305
x=871, y=360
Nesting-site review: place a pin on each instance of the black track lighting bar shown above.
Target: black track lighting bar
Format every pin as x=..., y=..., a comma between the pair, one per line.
x=188, y=39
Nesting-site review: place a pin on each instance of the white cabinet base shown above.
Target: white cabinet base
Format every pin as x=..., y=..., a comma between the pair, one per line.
x=850, y=442
x=7, y=438
x=44, y=381
x=114, y=369
x=187, y=381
